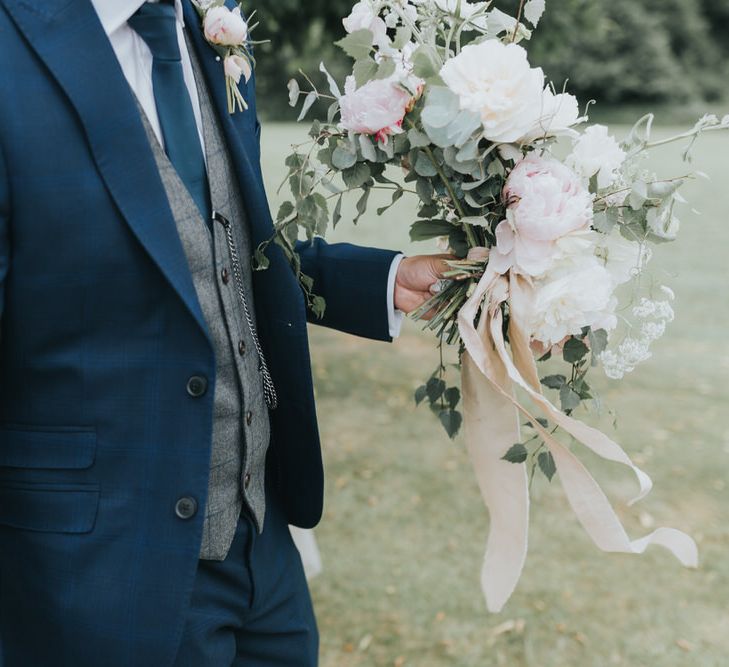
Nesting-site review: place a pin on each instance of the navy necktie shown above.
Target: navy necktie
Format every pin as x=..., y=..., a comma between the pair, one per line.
x=156, y=24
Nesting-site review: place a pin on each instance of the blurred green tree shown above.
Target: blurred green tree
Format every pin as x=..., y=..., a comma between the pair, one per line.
x=656, y=51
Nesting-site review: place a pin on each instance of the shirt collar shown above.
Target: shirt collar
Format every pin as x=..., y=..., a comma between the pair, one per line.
x=113, y=14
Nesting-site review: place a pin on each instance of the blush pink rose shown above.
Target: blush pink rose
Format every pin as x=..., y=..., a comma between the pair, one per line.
x=225, y=26
x=546, y=201
x=377, y=108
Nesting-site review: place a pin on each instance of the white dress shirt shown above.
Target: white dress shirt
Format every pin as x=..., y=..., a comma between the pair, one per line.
x=135, y=59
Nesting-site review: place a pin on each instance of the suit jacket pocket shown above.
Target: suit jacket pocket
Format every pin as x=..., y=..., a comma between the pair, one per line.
x=57, y=448
x=49, y=508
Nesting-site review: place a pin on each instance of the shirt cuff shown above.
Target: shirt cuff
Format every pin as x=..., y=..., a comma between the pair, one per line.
x=394, y=317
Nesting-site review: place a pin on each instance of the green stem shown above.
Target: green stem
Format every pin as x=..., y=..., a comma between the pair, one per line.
x=470, y=234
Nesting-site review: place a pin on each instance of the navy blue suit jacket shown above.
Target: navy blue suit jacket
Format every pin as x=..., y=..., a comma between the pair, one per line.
x=101, y=330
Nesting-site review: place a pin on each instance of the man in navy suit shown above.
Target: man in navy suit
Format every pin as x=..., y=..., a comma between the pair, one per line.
x=110, y=364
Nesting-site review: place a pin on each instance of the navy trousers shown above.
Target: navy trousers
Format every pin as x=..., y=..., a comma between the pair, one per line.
x=253, y=609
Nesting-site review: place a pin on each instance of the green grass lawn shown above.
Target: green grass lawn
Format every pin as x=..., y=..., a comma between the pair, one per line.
x=404, y=527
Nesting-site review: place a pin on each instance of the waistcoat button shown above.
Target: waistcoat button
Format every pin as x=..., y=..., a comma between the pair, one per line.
x=241, y=348
x=225, y=276
x=249, y=417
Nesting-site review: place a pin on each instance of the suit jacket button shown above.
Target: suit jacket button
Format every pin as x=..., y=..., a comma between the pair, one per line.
x=197, y=386
x=186, y=508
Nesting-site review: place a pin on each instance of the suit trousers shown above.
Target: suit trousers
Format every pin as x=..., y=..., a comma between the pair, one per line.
x=252, y=609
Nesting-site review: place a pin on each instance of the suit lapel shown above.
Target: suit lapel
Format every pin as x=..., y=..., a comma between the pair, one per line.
x=67, y=36
x=249, y=176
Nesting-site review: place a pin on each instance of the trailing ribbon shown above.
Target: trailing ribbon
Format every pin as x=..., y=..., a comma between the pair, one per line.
x=492, y=413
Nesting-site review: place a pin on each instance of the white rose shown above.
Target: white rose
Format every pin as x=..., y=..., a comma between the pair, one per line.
x=663, y=223
x=596, y=152
x=364, y=17
x=496, y=81
x=225, y=26
x=237, y=66
x=557, y=115
x=573, y=295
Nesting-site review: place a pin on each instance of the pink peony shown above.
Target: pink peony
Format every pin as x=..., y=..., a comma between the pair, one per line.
x=225, y=26
x=546, y=202
x=376, y=109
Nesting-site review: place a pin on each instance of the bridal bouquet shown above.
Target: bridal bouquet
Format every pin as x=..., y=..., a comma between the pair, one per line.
x=550, y=223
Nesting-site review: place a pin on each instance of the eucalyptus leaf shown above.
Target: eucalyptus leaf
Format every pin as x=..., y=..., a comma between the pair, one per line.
x=343, y=158
x=547, y=464
x=435, y=388
x=424, y=230
x=574, y=350
x=451, y=420
x=356, y=176
x=357, y=44
x=569, y=398
x=308, y=103
x=421, y=393
x=333, y=87
x=554, y=381
x=367, y=148
x=364, y=70
x=517, y=453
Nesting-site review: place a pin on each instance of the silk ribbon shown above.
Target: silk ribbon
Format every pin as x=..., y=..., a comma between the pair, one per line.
x=492, y=414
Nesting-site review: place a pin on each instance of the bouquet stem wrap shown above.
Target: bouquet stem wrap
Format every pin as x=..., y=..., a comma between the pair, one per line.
x=492, y=413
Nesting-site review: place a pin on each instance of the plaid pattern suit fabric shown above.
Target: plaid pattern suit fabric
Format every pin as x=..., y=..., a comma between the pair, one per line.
x=102, y=331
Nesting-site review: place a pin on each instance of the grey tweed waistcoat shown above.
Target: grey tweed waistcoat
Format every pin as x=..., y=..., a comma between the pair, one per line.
x=241, y=426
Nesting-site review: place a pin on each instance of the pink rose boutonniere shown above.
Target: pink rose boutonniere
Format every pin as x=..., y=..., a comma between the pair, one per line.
x=228, y=32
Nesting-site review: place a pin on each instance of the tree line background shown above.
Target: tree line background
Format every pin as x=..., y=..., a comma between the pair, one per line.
x=617, y=52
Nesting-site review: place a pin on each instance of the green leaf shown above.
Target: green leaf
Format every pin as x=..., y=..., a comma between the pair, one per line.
x=425, y=62
x=309, y=100
x=605, y=221
x=554, y=381
x=451, y=420
x=396, y=196
x=574, y=350
x=417, y=138
x=343, y=158
x=358, y=44
x=435, y=388
x=424, y=188
x=284, y=211
x=421, y=394
x=356, y=176
x=424, y=165
x=364, y=71
x=402, y=37
x=569, y=399
x=337, y=215
x=517, y=453
x=260, y=261
x=547, y=464
x=318, y=306
x=598, y=341
x=424, y=230
x=386, y=68
x=362, y=204
x=452, y=396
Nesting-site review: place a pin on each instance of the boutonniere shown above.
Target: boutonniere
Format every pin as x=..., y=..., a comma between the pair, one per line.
x=229, y=34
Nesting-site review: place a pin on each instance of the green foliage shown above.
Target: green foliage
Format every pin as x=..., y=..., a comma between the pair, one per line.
x=680, y=46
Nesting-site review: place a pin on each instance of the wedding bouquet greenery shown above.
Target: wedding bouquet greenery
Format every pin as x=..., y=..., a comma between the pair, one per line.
x=549, y=222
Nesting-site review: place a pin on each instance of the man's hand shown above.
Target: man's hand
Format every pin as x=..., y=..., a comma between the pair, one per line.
x=415, y=277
